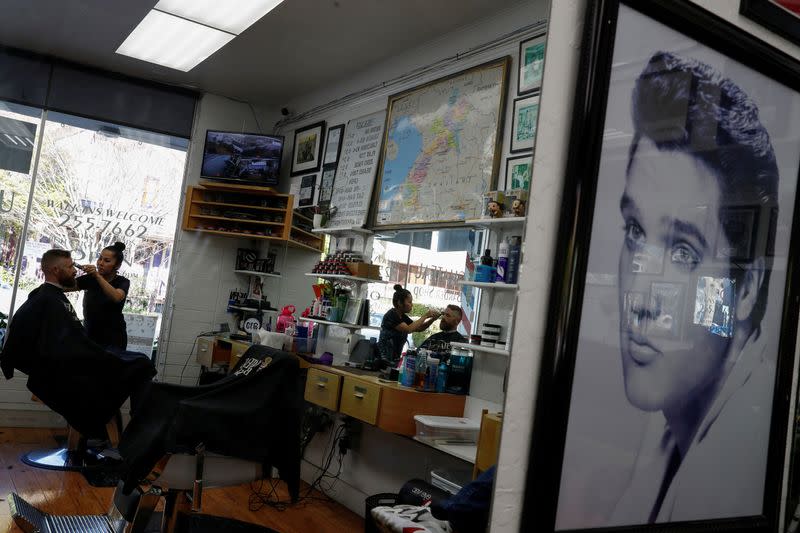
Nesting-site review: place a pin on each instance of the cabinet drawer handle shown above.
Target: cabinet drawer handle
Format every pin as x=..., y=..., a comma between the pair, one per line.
x=359, y=395
x=321, y=385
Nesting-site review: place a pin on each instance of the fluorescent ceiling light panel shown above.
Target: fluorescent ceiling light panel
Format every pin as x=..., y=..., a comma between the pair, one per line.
x=233, y=16
x=172, y=41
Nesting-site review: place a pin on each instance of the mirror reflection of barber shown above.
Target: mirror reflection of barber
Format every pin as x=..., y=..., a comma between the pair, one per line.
x=396, y=325
x=104, y=299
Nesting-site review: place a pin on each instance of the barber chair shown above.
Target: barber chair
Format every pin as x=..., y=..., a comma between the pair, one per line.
x=75, y=455
x=185, y=439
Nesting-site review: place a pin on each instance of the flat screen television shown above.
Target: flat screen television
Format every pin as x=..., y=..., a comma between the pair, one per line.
x=242, y=157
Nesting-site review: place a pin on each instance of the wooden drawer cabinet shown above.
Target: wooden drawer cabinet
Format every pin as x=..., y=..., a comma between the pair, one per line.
x=360, y=399
x=205, y=351
x=237, y=350
x=322, y=388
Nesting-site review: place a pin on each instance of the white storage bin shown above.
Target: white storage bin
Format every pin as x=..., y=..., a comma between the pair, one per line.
x=447, y=428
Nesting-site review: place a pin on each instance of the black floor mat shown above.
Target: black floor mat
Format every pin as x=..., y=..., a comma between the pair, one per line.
x=203, y=523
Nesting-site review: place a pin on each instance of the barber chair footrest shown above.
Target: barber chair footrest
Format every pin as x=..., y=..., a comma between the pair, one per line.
x=31, y=520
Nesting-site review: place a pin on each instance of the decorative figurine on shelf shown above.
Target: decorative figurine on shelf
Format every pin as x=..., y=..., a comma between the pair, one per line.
x=493, y=202
x=518, y=208
x=495, y=209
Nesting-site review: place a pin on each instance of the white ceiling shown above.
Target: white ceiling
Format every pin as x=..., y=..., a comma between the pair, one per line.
x=297, y=48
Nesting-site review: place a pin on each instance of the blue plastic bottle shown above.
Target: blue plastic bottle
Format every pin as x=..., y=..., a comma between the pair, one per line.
x=441, y=377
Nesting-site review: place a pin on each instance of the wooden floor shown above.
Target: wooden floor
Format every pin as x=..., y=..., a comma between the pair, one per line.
x=69, y=493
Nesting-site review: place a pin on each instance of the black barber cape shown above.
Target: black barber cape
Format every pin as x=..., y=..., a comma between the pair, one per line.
x=253, y=413
x=71, y=374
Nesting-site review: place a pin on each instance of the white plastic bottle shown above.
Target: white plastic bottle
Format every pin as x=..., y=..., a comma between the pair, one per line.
x=502, y=262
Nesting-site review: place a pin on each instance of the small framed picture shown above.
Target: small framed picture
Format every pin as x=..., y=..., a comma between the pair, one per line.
x=531, y=64
x=333, y=146
x=518, y=172
x=326, y=184
x=523, y=128
x=736, y=235
x=306, y=194
x=307, y=154
x=352, y=312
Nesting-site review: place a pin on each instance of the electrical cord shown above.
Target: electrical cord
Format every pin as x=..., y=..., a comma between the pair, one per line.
x=191, y=352
x=324, y=482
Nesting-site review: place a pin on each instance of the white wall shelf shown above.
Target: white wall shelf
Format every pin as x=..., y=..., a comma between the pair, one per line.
x=465, y=452
x=478, y=348
x=495, y=222
x=496, y=286
x=340, y=324
x=261, y=274
x=343, y=232
x=345, y=277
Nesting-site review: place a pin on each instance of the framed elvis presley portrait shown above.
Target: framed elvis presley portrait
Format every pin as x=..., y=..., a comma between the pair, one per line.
x=663, y=401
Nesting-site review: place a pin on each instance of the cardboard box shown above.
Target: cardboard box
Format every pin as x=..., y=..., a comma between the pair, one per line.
x=364, y=270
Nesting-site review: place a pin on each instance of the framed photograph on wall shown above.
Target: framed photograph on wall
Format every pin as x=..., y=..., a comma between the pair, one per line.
x=306, y=194
x=333, y=145
x=780, y=16
x=523, y=129
x=307, y=152
x=518, y=172
x=531, y=64
x=326, y=184
x=678, y=165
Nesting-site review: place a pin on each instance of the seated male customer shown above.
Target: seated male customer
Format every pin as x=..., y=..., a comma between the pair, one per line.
x=451, y=318
x=69, y=372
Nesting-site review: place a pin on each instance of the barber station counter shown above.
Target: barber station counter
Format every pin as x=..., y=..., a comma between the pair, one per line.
x=353, y=392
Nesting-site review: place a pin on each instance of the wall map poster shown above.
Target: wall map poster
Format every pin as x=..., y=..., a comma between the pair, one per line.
x=441, y=151
x=352, y=187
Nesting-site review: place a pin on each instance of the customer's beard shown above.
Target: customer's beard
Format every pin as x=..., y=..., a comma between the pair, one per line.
x=68, y=282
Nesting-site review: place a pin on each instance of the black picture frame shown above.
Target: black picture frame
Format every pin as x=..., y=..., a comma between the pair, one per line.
x=333, y=145
x=307, y=149
x=774, y=17
x=306, y=193
x=742, y=221
x=524, y=123
x=557, y=374
x=515, y=161
x=531, y=63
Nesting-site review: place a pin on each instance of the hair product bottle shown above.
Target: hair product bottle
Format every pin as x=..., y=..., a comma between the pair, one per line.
x=502, y=262
x=514, y=250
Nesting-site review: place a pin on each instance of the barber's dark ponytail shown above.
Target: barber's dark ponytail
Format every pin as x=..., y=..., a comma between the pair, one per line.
x=117, y=248
x=400, y=295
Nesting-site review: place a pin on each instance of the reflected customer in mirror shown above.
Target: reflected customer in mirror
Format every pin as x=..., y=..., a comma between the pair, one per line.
x=440, y=341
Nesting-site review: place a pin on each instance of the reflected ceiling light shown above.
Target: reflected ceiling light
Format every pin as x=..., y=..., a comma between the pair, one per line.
x=232, y=16
x=172, y=41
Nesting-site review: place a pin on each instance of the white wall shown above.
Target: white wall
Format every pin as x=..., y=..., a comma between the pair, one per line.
x=202, y=270
x=382, y=462
x=561, y=64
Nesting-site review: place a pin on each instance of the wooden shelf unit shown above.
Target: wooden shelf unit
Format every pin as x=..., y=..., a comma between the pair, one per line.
x=247, y=211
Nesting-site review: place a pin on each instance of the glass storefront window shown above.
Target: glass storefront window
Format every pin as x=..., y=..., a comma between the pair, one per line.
x=98, y=183
x=18, y=130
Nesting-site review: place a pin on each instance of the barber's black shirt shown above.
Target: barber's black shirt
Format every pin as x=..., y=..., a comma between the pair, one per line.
x=391, y=341
x=102, y=316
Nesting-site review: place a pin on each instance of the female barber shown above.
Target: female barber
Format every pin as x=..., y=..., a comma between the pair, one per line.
x=105, y=297
x=396, y=325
